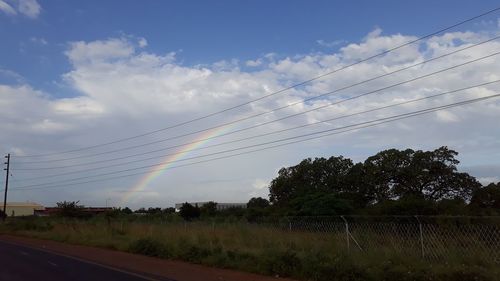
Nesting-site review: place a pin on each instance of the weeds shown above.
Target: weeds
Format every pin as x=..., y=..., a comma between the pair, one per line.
x=315, y=256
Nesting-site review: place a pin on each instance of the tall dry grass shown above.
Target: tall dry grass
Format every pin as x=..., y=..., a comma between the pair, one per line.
x=274, y=249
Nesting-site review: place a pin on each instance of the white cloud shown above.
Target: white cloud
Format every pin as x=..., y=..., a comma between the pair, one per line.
x=260, y=184
x=447, y=116
x=143, y=42
x=28, y=8
x=39, y=40
x=488, y=180
x=11, y=75
x=6, y=8
x=125, y=90
x=81, y=53
x=253, y=63
x=330, y=44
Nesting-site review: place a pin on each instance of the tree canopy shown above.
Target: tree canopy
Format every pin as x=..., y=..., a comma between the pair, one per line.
x=396, y=181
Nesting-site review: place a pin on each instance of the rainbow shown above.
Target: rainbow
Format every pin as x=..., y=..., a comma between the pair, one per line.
x=159, y=169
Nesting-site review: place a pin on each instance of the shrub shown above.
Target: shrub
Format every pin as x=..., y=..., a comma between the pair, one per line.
x=149, y=247
x=282, y=263
x=29, y=224
x=189, y=212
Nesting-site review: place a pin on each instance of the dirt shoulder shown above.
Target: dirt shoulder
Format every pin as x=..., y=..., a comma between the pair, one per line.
x=176, y=270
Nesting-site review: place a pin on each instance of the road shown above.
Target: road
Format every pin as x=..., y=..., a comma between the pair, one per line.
x=21, y=263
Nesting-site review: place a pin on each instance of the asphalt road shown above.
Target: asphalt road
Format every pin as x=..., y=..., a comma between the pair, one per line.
x=20, y=263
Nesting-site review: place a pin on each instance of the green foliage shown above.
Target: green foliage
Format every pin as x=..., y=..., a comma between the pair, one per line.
x=486, y=200
x=257, y=202
x=319, y=204
x=29, y=224
x=409, y=205
x=71, y=209
x=189, y=212
x=282, y=263
x=432, y=175
x=320, y=174
x=149, y=247
x=395, y=182
x=209, y=209
x=301, y=255
x=126, y=211
x=169, y=210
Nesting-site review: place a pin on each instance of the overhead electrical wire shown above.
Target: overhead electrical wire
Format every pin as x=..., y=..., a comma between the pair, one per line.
x=289, y=105
x=251, y=137
x=327, y=133
x=270, y=94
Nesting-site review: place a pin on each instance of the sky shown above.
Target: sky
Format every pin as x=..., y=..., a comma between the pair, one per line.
x=76, y=74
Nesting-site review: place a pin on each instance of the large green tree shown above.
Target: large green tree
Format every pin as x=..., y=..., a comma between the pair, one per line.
x=318, y=175
x=400, y=181
x=431, y=175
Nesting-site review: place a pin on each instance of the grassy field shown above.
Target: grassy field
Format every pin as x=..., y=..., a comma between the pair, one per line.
x=266, y=249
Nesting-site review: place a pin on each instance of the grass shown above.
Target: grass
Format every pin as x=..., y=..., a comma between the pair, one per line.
x=263, y=249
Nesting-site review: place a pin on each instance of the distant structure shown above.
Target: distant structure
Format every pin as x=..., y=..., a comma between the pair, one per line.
x=20, y=209
x=50, y=211
x=220, y=206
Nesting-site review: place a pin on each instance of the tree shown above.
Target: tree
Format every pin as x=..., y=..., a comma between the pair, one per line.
x=395, y=180
x=71, y=209
x=257, y=202
x=126, y=211
x=319, y=204
x=209, y=209
x=154, y=211
x=320, y=174
x=432, y=175
x=189, y=212
x=169, y=210
x=486, y=200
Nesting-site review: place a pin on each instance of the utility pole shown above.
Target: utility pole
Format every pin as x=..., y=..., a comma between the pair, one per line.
x=6, y=186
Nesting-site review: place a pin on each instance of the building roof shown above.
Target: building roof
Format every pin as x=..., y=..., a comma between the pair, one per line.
x=22, y=204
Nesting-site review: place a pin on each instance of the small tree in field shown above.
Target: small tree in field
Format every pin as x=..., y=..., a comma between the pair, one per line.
x=71, y=209
x=209, y=209
x=189, y=212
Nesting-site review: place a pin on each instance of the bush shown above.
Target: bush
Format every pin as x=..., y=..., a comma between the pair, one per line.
x=285, y=263
x=149, y=247
x=189, y=212
x=29, y=224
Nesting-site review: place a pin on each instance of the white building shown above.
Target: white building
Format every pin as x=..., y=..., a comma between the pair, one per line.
x=220, y=206
x=19, y=209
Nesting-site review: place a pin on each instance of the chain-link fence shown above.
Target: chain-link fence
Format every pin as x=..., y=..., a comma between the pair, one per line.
x=430, y=238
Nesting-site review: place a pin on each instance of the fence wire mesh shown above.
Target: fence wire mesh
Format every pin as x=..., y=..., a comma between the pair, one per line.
x=434, y=239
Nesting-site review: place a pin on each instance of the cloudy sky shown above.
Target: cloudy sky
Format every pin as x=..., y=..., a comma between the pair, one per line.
x=79, y=79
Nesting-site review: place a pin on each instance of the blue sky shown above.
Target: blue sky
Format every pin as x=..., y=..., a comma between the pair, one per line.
x=78, y=73
x=203, y=32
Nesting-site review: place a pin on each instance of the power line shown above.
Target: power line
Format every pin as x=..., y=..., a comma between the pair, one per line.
x=247, y=138
x=273, y=93
x=311, y=136
x=286, y=106
x=271, y=147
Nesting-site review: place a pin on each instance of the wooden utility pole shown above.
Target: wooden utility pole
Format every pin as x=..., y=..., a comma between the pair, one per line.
x=6, y=186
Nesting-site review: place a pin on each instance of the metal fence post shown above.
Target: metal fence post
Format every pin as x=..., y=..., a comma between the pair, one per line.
x=346, y=233
x=421, y=236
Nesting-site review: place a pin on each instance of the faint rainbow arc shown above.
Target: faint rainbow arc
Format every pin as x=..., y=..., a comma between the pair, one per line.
x=157, y=170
